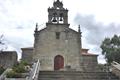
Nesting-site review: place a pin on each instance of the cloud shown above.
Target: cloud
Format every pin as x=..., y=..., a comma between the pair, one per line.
x=18, y=18
x=93, y=33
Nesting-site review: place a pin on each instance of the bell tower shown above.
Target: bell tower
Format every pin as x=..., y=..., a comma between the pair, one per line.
x=57, y=14
x=57, y=46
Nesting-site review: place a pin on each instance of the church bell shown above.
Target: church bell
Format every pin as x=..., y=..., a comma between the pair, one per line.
x=54, y=19
x=61, y=19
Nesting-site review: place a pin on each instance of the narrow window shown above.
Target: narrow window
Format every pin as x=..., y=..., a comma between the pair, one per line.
x=57, y=35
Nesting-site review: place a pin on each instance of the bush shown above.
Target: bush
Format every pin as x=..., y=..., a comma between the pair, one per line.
x=25, y=63
x=13, y=74
x=2, y=70
x=17, y=70
x=20, y=67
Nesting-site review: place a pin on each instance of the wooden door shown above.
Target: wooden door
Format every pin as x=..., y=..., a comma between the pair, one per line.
x=58, y=62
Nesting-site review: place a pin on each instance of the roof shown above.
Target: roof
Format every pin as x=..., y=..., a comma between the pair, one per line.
x=89, y=54
x=86, y=53
x=27, y=48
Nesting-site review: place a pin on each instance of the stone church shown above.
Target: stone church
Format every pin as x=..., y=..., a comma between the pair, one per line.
x=59, y=50
x=57, y=46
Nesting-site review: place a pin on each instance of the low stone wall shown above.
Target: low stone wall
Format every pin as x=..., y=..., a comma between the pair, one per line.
x=15, y=79
x=8, y=58
x=90, y=63
x=23, y=77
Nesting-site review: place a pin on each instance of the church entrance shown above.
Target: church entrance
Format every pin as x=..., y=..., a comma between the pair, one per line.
x=58, y=62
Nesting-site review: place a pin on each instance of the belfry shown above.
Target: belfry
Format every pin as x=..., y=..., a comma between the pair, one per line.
x=57, y=14
x=57, y=46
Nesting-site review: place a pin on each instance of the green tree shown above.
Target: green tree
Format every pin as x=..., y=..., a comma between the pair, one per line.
x=3, y=46
x=111, y=49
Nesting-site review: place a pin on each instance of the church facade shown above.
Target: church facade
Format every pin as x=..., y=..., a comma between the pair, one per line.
x=57, y=46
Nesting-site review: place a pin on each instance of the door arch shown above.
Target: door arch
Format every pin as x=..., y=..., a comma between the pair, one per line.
x=58, y=62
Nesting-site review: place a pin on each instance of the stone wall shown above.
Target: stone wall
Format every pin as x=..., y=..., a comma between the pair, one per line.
x=15, y=79
x=8, y=58
x=90, y=62
x=27, y=54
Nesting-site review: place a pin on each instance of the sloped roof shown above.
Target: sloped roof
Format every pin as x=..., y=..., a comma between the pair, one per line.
x=27, y=48
x=86, y=53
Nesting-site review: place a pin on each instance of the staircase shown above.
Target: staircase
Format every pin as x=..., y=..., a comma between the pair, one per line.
x=75, y=75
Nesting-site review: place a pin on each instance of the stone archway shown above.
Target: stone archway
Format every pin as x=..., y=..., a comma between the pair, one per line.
x=58, y=62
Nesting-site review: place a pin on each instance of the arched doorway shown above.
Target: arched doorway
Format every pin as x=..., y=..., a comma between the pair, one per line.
x=58, y=62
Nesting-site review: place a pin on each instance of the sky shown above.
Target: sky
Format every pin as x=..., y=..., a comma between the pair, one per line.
x=98, y=19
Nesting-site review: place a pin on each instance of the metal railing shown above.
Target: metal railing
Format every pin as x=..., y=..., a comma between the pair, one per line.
x=34, y=73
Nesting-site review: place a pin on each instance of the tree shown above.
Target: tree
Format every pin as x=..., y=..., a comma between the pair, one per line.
x=111, y=49
x=1, y=37
x=2, y=43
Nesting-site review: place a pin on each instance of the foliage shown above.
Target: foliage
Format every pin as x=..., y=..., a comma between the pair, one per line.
x=17, y=69
x=111, y=49
x=1, y=70
x=25, y=63
x=20, y=67
x=13, y=74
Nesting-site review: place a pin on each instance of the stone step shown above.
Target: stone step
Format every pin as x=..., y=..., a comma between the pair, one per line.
x=72, y=79
x=69, y=73
x=75, y=75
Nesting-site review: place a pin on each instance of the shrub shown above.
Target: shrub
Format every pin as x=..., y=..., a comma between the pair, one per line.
x=2, y=70
x=13, y=74
x=25, y=63
x=20, y=67
x=17, y=70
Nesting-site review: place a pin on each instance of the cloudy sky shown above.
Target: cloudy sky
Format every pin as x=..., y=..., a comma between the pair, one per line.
x=98, y=19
